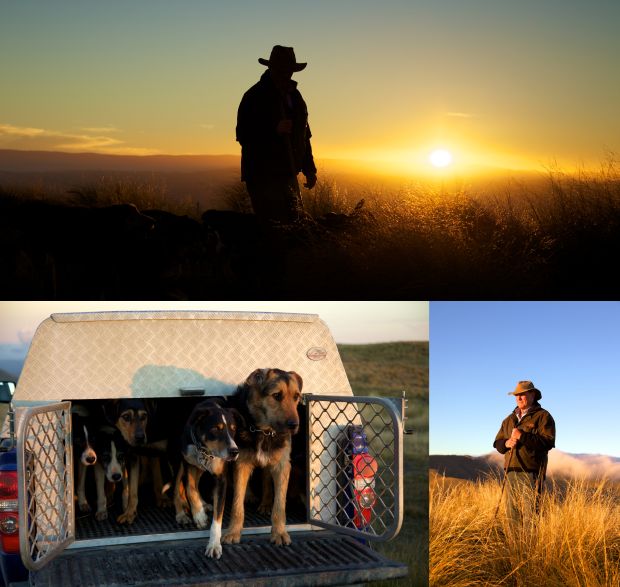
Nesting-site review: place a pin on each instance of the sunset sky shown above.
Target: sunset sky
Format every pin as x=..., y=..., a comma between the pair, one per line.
x=495, y=82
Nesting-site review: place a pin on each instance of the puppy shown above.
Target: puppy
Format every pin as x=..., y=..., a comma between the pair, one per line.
x=111, y=466
x=267, y=402
x=207, y=444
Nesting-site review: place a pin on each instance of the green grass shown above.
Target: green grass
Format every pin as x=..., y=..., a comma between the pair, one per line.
x=387, y=370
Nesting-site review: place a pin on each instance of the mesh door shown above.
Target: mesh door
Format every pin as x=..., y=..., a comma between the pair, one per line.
x=355, y=465
x=46, y=483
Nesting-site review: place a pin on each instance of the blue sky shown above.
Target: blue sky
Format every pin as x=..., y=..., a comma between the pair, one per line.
x=478, y=352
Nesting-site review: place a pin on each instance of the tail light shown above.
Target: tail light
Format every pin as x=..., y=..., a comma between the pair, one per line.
x=363, y=470
x=9, y=527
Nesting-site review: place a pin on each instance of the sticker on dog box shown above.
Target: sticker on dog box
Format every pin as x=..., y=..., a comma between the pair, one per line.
x=316, y=353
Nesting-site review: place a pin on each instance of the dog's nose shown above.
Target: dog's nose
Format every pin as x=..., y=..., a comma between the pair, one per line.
x=91, y=459
x=292, y=424
x=116, y=477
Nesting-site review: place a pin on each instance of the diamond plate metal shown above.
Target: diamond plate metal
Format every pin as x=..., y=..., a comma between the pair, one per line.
x=154, y=354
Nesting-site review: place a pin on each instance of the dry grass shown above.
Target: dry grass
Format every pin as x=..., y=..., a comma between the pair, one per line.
x=574, y=542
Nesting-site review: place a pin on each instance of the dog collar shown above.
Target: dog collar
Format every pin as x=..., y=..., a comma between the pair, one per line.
x=203, y=456
x=270, y=432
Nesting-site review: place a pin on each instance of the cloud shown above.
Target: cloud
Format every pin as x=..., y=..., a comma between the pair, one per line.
x=93, y=139
x=562, y=464
x=207, y=126
x=459, y=115
x=100, y=129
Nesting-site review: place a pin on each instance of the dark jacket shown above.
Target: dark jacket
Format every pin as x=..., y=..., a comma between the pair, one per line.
x=264, y=153
x=538, y=438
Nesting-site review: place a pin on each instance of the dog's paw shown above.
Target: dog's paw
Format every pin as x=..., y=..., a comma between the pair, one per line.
x=232, y=538
x=126, y=517
x=213, y=550
x=101, y=515
x=264, y=509
x=280, y=538
x=183, y=519
x=84, y=507
x=200, y=519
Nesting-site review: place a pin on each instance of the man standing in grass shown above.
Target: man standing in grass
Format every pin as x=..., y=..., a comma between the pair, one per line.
x=525, y=438
x=272, y=128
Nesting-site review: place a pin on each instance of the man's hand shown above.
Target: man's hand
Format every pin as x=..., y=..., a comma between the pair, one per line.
x=516, y=434
x=511, y=443
x=310, y=181
x=285, y=127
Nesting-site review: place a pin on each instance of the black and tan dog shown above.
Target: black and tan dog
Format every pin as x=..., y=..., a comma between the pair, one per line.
x=207, y=445
x=132, y=417
x=267, y=401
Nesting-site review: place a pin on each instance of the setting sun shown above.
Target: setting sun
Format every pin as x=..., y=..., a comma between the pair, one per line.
x=440, y=158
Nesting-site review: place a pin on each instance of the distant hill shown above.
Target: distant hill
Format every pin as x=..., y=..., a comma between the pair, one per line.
x=201, y=178
x=45, y=161
x=462, y=467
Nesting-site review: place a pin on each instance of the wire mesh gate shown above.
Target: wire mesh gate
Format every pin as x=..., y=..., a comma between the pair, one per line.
x=46, y=483
x=355, y=465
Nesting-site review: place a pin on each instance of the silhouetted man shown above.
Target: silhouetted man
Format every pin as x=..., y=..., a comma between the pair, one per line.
x=272, y=128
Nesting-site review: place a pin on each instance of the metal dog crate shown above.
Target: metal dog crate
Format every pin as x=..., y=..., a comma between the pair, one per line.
x=155, y=355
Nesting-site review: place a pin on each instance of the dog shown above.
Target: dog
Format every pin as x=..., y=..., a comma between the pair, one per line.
x=111, y=466
x=267, y=402
x=207, y=444
x=83, y=425
x=130, y=417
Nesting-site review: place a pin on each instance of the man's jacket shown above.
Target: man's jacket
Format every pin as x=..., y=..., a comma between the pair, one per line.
x=537, y=439
x=264, y=153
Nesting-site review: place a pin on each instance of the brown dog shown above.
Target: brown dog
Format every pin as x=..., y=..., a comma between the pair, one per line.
x=267, y=401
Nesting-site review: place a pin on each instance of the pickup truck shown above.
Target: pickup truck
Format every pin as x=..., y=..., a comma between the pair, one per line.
x=349, y=454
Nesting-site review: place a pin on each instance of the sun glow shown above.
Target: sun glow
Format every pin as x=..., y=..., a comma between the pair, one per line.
x=440, y=158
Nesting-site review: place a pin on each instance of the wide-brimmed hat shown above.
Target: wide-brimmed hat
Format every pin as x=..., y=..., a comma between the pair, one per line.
x=525, y=386
x=282, y=58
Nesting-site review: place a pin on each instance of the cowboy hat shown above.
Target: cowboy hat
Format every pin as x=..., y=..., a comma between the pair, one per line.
x=525, y=386
x=282, y=58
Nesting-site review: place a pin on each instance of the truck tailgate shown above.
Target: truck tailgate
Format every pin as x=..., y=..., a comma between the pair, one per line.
x=314, y=558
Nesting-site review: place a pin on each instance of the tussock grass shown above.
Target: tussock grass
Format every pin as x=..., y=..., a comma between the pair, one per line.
x=575, y=540
x=555, y=239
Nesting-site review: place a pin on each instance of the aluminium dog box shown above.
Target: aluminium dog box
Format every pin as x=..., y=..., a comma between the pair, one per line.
x=164, y=355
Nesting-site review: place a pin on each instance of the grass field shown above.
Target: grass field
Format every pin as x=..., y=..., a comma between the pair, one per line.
x=387, y=370
x=575, y=542
x=555, y=238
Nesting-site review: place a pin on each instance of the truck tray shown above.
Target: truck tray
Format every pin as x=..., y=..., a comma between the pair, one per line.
x=314, y=558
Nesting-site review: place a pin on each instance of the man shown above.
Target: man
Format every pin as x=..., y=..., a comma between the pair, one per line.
x=272, y=128
x=524, y=438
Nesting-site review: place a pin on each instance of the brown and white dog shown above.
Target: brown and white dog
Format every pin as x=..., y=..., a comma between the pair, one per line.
x=207, y=445
x=267, y=401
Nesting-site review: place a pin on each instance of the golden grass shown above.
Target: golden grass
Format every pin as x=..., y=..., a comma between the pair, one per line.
x=574, y=542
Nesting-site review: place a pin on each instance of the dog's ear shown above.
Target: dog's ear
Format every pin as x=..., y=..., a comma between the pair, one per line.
x=257, y=378
x=110, y=411
x=151, y=407
x=238, y=418
x=300, y=381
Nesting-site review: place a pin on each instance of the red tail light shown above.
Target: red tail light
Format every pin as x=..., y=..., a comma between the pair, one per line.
x=9, y=526
x=364, y=471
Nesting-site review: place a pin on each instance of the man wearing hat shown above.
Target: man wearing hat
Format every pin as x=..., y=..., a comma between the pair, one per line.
x=525, y=438
x=272, y=128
